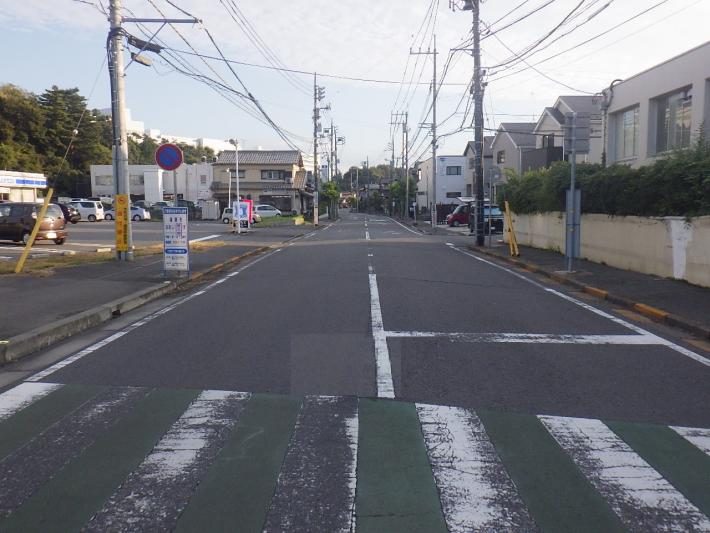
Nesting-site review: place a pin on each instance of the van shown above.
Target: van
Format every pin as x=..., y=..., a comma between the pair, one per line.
x=462, y=214
x=90, y=210
x=18, y=219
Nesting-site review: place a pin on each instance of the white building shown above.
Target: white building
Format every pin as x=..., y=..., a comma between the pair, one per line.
x=451, y=181
x=659, y=109
x=150, y=182
x=21, y=186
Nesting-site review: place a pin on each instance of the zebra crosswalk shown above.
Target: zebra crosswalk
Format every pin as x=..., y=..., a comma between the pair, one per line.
x=109, y=458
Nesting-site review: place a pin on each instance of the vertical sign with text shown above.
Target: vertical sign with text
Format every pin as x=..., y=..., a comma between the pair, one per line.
x=176, y=254
x=122, y=221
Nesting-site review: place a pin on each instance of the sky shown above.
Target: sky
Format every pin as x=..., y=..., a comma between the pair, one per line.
x=62, y=42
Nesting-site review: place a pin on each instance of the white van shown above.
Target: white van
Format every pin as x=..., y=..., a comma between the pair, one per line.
x=90, y=210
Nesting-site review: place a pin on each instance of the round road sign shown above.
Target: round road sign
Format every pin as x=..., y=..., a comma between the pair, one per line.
x=168, y=156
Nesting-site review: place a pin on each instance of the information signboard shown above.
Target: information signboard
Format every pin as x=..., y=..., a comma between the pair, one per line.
x=176, y=254
x=120, y=204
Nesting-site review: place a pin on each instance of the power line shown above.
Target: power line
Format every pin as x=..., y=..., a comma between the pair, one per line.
x=520, y=19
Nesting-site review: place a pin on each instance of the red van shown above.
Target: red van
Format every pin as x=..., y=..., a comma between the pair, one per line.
x=462, y=214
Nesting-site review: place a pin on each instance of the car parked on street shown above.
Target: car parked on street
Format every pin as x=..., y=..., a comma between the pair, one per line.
x=70, y=213
x=227, y=216
x=90, y=210
x=137, y=214
x=267, y=210
x=18, y=219
x=461, y=217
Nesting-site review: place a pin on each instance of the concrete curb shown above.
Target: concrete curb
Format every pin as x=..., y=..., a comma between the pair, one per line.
x=646, y=310
x=31, y=341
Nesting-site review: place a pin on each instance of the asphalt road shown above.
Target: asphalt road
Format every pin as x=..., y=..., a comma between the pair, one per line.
x=363, y=377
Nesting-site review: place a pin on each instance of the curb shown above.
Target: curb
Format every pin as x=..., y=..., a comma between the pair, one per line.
x=646, y=310
x=42, y=337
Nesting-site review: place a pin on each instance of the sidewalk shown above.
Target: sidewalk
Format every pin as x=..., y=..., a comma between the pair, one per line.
x=39, y=309
x=674, y=302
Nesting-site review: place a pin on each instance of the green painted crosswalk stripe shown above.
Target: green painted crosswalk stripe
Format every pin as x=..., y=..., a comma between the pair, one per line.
x=684, y=466
x=396, y=491
x=236, y=492
x=90, y=480
x=35, y=418
x=558, y=496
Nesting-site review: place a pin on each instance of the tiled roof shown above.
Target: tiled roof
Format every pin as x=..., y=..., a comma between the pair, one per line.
x=260, y=157
x=520, y=132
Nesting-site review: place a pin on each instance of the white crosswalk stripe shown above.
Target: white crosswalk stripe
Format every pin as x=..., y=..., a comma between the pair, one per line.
x=639, y=495
x=697, y=436
x=475, y=490
x=21, y=396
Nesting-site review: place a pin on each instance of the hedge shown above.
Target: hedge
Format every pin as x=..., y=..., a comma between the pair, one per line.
x=678, y=185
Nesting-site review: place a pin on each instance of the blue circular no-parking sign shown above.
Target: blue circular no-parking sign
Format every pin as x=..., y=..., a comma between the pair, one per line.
x=168, y=156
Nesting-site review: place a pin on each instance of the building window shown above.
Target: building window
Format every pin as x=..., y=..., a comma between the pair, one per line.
x=242, y=173
x=453, y=194
x=203, y=180
x=137, y=180
x=626, y=128
x=453, y=171
x=273, y=175
x=104, y=181
x=468, y=189
x=548, y=141
x=471, y=162
x=500, y=157
x=673, y=121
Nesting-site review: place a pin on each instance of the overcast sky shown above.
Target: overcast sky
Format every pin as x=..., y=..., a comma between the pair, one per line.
x=62, y=42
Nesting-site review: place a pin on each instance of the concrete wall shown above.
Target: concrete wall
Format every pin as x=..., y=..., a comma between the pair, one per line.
x=666, y=246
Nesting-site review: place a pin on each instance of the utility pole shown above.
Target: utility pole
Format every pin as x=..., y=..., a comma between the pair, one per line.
x=121, y=182
x=434, y=92
x=118, y=100
x=315, y=151
x=405, y=160
x=475, y=7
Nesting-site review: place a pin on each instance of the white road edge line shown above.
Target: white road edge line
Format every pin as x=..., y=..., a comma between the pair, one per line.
x=204, y=238
x=367, y=235
x=385, y=387
x=117, y=335
x=660, y=340
x=638, y=494
x=24, y=394
x=407, y=228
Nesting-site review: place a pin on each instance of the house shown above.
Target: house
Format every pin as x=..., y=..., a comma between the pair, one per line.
x=549, y=132
x=274, y=177
x=658, y=110
x=490, y=178
x=511, y=141
x=451, y=180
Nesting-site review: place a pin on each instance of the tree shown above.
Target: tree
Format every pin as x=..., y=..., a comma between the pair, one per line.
x=21, y=130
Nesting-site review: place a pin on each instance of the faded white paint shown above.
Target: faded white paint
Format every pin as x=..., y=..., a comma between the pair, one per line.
x=22, y=395
x=475, y=490
x=352, y=430
x=385, y=386
x=699, y=437
x=531, y=338
x=671, y=247
x=637, y=493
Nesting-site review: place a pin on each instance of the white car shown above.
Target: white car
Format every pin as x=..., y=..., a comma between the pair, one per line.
x=228, y=217
x=267, y=211
x=137, y=213
x=90, y=210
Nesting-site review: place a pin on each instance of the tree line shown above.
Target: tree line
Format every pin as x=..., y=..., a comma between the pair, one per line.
x=36, y=132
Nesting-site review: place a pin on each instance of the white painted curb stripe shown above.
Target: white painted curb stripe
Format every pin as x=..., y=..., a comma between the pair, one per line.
x=639, y=495
x=531, y=338
x=475, y=490
x=385, y=387
x=23, y=395
x=660, y=341
x=699, y=437
x=407, y=228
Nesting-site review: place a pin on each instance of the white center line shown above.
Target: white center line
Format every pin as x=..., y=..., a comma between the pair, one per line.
x=385, y=387
x=204, y=238
x=367, y=235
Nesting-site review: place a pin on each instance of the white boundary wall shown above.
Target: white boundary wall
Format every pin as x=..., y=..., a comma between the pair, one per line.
x=671, y=247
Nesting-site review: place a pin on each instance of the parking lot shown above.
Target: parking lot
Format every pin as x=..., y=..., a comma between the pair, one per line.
x=94, y=236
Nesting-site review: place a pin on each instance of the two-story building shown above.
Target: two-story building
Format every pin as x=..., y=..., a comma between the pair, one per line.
x=490, y=178
x=274, y=177
x=658, y=110
x=451, y=180
x=511, y=141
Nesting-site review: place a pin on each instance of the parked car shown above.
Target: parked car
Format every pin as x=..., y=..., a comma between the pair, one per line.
x=143, y=203
x=227, y=216
x=462, y=214
x=18, y=219
x=137, y=213
x=90, y=210
x=267, y=210
x=70, y=213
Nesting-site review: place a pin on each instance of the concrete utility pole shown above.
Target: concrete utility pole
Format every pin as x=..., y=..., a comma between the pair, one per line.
x=478, y=121
x=121, y=182
x=434, y=92
x=315, y=150
x=405, y=158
